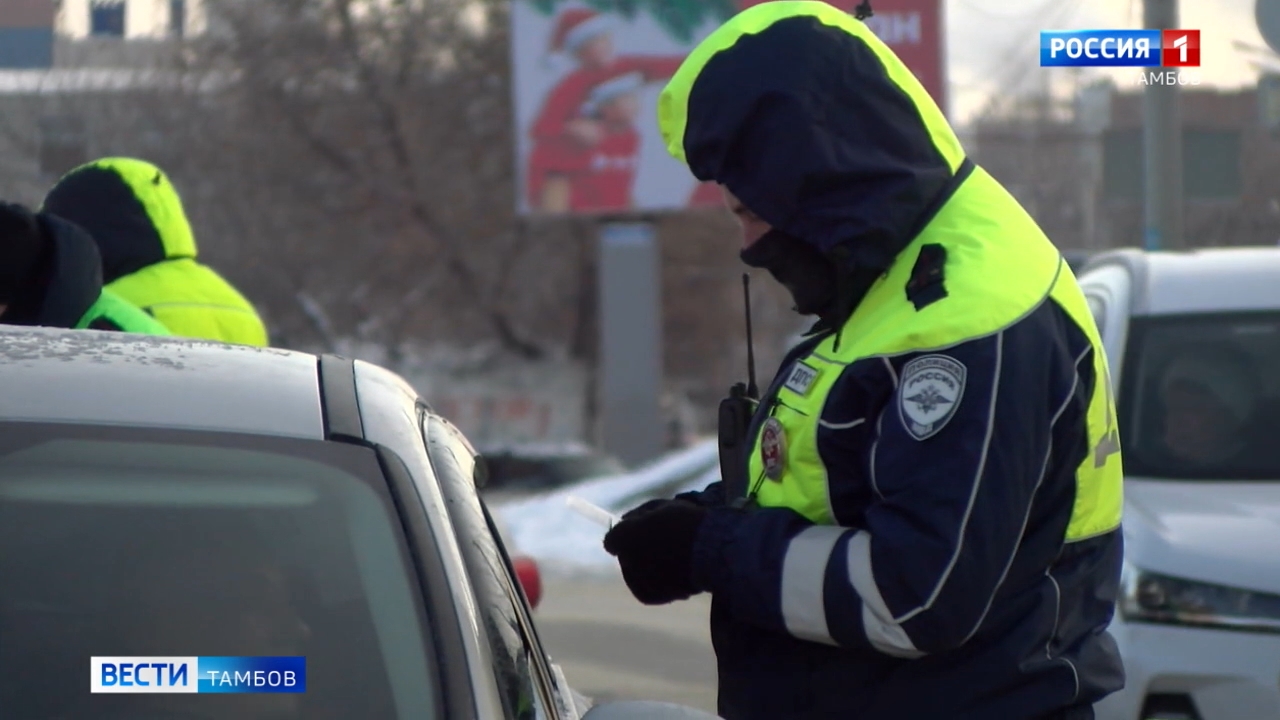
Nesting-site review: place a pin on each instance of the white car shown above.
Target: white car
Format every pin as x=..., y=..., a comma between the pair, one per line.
x=1193, y=341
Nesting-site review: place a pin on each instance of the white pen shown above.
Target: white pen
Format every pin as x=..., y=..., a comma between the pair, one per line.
x=592, y=512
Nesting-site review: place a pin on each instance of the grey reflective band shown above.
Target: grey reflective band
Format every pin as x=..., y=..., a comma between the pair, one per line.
x=882, y=632
x=803, y=572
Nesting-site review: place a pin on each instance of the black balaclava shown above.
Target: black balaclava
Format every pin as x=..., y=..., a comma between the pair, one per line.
x=803, y=269
x=828, y=285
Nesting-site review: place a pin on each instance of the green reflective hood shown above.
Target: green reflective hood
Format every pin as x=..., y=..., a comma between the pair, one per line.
x=816, y=126
x=130, y=208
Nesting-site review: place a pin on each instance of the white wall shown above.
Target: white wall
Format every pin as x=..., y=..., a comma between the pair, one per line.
x=143, y=18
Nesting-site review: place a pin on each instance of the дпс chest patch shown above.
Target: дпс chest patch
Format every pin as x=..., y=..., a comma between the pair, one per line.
x=930, y=392
x=801, y=378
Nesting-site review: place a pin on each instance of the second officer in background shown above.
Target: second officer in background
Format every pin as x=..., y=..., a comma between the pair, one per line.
x=148, y=250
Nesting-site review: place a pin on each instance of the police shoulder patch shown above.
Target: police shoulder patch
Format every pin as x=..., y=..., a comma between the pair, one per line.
x=929, y=393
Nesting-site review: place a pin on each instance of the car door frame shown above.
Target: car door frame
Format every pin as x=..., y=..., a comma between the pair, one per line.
x=459, y=492
x=1112, y=285
x=367, y=404
x=561, y=696
x=441, y=609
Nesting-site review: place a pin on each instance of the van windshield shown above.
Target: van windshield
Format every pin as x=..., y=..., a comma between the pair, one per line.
x=1201, y=397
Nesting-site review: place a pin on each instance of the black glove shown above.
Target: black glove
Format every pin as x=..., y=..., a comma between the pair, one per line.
x=22, y=240
x=654, y=547
x=644, y=508
x=710, y=496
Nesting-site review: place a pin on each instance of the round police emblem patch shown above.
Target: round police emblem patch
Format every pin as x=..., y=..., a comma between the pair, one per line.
x=773, y=448
x=929, y=394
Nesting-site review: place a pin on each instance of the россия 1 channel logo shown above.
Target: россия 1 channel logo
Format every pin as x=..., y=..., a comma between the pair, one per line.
x=197, y=674
x=1120, y=48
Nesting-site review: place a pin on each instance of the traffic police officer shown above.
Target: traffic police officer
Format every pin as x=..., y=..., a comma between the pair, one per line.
x=929, y=521
x=50, y=276
x=149, y=254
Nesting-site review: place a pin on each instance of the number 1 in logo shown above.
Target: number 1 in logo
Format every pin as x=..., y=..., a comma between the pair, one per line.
x=1180, y=48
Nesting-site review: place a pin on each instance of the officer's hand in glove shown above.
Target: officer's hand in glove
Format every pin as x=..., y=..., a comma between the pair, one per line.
x=644, y=508
x=654, y=547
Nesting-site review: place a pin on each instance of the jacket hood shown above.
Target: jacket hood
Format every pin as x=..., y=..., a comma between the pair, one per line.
x=75, y=275
x=816, y=126
x=131, y=210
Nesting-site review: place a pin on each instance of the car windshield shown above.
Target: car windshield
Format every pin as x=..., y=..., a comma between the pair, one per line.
x=121, y=542
x=1201, y=397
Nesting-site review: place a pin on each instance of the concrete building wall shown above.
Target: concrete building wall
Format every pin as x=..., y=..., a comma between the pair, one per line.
x=1082, y=179
x=1044, y=166
x=1250, y=216
x=26, y=34
x=144, y=19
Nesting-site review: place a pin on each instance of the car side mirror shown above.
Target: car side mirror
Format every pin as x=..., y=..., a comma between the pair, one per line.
x=645, y=710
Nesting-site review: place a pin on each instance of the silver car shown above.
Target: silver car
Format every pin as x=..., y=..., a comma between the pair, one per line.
x=167, y=497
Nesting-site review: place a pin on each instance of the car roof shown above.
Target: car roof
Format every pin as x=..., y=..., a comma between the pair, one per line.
x=1198, y=281
x=92, y=377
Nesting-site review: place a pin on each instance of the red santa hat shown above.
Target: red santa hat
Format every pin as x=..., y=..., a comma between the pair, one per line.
x=575, y=27
x=611, y=89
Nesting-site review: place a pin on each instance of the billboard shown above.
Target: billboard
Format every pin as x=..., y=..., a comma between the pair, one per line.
x=26, y=34
x=586, y=81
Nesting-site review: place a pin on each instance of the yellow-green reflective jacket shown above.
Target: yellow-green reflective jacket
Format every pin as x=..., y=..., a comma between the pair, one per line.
x=149, y=252
x=112, y=312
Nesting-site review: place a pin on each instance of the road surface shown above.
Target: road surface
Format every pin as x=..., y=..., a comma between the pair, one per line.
x=613, y=648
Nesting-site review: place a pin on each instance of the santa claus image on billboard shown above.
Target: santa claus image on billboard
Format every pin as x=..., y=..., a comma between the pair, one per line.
x=584, y=137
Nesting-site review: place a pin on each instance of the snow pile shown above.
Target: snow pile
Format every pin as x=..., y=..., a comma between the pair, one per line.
x=565, y=542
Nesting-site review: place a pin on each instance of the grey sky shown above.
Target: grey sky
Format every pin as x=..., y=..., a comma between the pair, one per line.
x=993, y=44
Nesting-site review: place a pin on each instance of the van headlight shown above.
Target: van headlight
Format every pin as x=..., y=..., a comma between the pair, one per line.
x=1155, y=598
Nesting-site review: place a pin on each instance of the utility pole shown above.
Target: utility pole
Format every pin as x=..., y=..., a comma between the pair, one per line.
x=1162, y=144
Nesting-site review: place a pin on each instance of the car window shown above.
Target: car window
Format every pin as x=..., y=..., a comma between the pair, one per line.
x=1201, y=398
x=518, y=665
x=129, y=543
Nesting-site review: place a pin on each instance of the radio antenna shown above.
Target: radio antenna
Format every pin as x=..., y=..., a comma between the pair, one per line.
x=752, y=391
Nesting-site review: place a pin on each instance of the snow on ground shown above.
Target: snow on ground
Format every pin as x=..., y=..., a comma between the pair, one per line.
x=566, y=543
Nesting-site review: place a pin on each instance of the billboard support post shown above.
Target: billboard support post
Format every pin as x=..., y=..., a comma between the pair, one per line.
x=630, y=373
